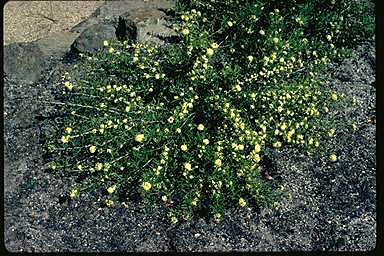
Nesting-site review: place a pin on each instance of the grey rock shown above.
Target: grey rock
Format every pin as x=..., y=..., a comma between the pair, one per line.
x=110, y=9
x=92, y=38
x=146, y=15
x=57, y=44
x=23, y=61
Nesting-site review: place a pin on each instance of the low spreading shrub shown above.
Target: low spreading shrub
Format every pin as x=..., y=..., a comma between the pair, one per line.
x=187, y=125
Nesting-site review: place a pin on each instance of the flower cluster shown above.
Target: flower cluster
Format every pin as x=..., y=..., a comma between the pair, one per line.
x=188, y=125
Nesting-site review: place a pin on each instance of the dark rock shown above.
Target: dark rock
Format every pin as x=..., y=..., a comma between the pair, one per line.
x=23, y=61
x=92, y=38
x=125, y=28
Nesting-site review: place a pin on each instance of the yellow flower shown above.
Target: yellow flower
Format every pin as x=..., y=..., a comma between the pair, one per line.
x=139, y=137
x=250, y=58
x=257, y=148
x=275, y=40
x=277, y=132
x=106, y=43
x=242, y=202
x=206, y=141
x=111, y=189
x=171, y=119
x=135, y=59
x=238, y=87
x=178, y=130
x=185, y=31
x=188, y=166
x=174, y=220
x=200, y=127
x=261, y=32
x=277, y=144
x=215, y=45
x=111, y=50
x=218, y=162
x=164, y=198
x=184, y=147
x=108, y=202
x=333, y=157
x=217, y=217
x=99, y=166
x=299, y=20
x=107, y=166
x=291, y=132
x=331, y=132
x=209, y=51
x=329, y=37
x=74, y=192
x=241, y=147
x=69, y=85
x=230, y=23
x=68, y=130
x=334, y=96
x=257, y=158
x=354, y=126
x=147, y=186
x=92, y=149
x=65, y=139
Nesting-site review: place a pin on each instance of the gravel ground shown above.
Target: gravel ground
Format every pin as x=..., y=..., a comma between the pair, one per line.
x=26, y=21
x=332, y=205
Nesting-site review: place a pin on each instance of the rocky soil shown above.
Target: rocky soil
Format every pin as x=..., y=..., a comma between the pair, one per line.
x=332, y=207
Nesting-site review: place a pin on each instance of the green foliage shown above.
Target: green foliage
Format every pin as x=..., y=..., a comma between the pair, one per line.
x=187, y=125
